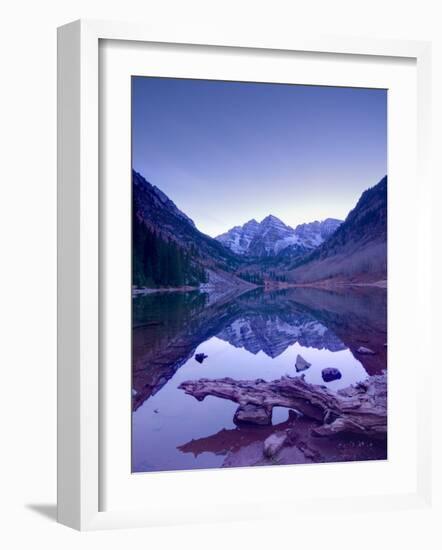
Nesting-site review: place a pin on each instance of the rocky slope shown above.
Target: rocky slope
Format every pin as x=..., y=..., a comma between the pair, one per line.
x=156, y=210
x=164, y=235
x=357, y=250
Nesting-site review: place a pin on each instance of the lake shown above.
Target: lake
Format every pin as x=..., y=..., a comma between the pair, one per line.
x=249, y=335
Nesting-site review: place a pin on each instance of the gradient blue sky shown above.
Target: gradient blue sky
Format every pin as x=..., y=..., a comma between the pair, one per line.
x=226, y=152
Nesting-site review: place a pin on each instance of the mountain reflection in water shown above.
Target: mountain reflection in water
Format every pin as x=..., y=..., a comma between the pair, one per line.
x=247, y=336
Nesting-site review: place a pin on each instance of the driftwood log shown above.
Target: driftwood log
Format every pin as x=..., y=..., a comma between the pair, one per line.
x=359, y=409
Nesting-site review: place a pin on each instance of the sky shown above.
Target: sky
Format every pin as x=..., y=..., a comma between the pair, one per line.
x=227, y=152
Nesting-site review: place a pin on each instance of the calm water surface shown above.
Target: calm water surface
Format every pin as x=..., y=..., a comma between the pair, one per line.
x=254, y=335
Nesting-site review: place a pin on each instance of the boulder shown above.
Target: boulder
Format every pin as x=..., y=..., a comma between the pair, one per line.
x=253, y=414
x=200, y=357
x=330, y=374
x=365, y=351
x=301, y=364
x=274, y=443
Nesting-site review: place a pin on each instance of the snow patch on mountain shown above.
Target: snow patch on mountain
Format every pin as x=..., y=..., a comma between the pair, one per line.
x=271, y=236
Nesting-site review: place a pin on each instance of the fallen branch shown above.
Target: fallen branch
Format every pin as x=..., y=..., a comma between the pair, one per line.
x=360, y=409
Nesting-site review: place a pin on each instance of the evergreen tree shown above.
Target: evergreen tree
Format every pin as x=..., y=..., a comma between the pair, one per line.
x=160, y=261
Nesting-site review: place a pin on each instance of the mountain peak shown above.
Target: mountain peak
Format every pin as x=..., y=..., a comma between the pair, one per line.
x=271, y=219
x=272, y=235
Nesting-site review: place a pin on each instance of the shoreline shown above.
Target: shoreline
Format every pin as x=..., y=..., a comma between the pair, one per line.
x=204, y=288
x=281, y=286
x=326, y=284
x=145, y=290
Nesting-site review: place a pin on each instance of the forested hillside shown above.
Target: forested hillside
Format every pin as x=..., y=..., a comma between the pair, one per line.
x=160, y=261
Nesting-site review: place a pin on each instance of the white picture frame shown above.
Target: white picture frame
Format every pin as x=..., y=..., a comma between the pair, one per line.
x=80, y=437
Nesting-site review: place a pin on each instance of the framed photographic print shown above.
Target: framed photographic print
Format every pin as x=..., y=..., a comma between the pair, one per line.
x=232, y=281
x=283, y=317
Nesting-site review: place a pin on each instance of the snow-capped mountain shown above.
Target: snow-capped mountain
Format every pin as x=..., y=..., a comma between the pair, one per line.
x=315, y=233
x=272, y=236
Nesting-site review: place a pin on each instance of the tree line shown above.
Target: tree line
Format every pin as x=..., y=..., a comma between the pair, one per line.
x=259, y=278
x=159, y=261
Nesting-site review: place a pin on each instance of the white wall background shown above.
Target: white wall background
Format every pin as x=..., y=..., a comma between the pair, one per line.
x=28, y=267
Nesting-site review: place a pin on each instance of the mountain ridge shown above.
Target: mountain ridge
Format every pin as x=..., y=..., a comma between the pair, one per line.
x=357, y=249
x=168, y=249
x=271, y=236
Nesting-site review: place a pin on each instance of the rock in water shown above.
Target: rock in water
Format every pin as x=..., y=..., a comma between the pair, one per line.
x=301, y=364
x=330, y=374
x=253, y=414
x=200, y=357
x=274, y=443
x=365, y=351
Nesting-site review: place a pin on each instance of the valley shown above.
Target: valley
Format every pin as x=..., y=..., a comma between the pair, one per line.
x=169, y=252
